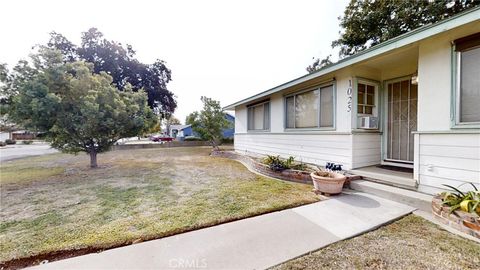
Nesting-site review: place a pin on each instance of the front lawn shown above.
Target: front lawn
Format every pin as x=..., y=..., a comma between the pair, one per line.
x=56, y=203
x=410, y=243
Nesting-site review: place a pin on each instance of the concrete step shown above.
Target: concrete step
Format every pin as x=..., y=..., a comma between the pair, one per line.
x=387, y=177
x=400, y=183
x=415, y=199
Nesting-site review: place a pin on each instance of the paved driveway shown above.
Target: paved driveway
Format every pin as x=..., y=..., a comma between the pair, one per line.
x=17, y=151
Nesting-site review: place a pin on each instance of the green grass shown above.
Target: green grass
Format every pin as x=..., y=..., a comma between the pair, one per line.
x=57, y=203
x=17, y=174
x=409, y=243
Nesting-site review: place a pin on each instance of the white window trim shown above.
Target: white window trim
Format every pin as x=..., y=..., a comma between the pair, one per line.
x=318, y=128
x=375, y=110
x=457, y=72
x=267, y=129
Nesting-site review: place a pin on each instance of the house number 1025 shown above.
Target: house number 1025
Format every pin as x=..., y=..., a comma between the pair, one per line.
x=349, y=96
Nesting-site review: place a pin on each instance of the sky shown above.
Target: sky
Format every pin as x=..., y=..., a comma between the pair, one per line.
x=225, y=50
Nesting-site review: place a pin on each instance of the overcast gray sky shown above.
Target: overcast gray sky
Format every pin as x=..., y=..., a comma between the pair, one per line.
x=226, y=50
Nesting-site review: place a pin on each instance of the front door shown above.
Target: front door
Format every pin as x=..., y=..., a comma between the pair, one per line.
x=401, y=121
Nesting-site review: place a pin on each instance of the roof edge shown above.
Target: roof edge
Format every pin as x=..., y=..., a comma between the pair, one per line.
x=435, y=28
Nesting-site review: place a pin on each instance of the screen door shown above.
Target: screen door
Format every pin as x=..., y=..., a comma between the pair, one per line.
x=402, y=120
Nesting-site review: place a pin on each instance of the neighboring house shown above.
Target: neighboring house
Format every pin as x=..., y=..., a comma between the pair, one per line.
x=179, y=132
x=229, y=132
x=411, y=102
x=4, y=136
x=23, y=135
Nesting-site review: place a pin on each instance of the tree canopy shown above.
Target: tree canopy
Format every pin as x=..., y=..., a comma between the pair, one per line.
x=120, y=63
x=366, y=23
x=210, y=122
x=78, y=109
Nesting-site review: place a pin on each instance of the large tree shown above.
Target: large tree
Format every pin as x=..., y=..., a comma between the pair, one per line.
x=210, y=122
x=366, y=23
x=120, y=63
x=79, y=110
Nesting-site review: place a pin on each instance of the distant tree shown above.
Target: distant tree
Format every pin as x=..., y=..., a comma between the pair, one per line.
x=155, y=129
x=80, y=111
x=369, y=22
x=191, y=118
x=172, y=120
x=319, y=64
x=210, y=122
x=120, y=63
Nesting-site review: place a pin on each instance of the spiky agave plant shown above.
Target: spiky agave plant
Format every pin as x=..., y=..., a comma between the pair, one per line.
x=466, y=201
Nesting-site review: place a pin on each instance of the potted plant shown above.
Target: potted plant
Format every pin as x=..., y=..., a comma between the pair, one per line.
x=328, y=182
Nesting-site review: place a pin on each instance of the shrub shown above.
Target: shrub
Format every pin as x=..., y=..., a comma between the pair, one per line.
x=2, y=144
x=465, y=201
x=9, y=141
x=227, y=140
x=192, y=139
x=27, y=142
x=275, y=163
x=41, y=135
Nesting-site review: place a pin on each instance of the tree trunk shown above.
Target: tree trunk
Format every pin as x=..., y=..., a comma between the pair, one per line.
x=214, y=145
x=93, y=159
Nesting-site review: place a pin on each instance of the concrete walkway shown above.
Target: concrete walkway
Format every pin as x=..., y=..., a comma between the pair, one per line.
x=253, y=243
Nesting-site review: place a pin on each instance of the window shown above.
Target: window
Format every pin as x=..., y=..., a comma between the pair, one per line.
x=468, y=79
x=310, y=109
x=259, y=116
x=366, y=98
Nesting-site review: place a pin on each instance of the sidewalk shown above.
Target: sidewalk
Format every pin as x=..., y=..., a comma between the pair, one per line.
x=253, y=243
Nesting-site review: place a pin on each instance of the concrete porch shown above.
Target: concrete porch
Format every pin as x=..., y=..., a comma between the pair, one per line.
x=384, y=174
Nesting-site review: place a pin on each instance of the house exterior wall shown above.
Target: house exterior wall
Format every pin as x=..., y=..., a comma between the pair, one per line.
x=314, y=146
x=309, y=148
x=366, y=149
x=451, y=159
x=446, y=155
x=442, y=154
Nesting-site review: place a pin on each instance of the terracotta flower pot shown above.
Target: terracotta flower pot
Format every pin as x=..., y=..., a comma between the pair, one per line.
x=328, y=182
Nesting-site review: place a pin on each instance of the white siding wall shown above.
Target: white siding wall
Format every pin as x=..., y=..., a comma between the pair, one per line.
x=311, y=148
x=317, y=147
x=343, y=115
x=450, y=159
x=240, y=119
x=444, y=155
x=366, y=149
x=434, y=86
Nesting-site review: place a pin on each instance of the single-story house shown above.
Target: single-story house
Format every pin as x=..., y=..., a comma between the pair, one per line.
x=412, y=103
x=229, y=132
x=179, y=132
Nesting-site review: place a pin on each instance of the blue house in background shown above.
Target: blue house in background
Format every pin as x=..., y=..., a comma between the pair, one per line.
x=180, y=132
x=229, y=132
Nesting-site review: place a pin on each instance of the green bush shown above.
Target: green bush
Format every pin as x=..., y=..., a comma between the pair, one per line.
x=27, y=142
x=192, y=139
x=9, y=141
x=275, y=163
x=227, y=141
x=2, y=144
x=465, y=201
